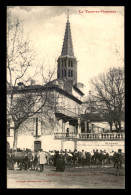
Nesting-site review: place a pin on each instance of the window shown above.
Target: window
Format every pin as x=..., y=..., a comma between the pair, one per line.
x=58, y=75
x=62, y=73
x=8, y=127
x=36, y=126
x=71, y=64
x=65, y=73
x=62, y=63
x=69, y=73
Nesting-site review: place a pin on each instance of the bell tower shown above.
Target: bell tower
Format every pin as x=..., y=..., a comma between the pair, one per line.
x=67, y=63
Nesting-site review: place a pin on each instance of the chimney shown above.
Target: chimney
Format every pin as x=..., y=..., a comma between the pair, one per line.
x=32, y=82
x=21, y=85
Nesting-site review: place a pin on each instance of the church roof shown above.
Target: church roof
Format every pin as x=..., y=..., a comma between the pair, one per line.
x=67, y=49
x=63, y=86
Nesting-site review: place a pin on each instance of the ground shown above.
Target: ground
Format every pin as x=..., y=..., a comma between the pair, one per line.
x=74, y=176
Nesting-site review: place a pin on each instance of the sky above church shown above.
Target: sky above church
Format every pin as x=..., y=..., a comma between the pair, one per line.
x=97, y=35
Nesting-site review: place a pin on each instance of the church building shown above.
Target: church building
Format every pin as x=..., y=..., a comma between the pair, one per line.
x=38, y=132
x=58, y=123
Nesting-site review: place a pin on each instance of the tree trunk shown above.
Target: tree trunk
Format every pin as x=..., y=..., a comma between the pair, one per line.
x=110, y=126
x=15, y=139
x=119, y=122
x=116, y=125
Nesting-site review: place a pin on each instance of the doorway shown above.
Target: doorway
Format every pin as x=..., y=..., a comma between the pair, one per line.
x=37, y=146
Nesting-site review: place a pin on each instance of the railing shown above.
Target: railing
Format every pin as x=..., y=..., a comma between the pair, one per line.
x=108, y=136
x=90, y=136
x=65, y=135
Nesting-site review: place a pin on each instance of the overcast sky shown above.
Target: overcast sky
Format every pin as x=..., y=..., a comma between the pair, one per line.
x=96, y=36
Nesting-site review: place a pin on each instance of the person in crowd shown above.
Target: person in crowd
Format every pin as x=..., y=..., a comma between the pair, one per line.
x=69, y=151
x=35, y=163
x=61, y=151
x=114, y=157
x=118, y=160
x=83, y=157
x=67, y=132
x=26, y=162
x=41, y=159
x=60, y=163
x=55, y=157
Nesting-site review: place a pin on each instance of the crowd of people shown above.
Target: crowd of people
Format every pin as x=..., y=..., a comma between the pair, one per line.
x=29, y=160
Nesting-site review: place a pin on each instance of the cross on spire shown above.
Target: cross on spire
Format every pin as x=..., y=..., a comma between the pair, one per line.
x=68, y=15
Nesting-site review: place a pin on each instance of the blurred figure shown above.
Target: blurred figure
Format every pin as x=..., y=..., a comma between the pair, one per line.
x=118, y=161
x=41, y=160
x=67, y=132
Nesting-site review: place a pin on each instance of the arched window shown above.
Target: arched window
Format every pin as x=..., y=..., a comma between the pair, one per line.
x=62, y=73
x=71, y=64
x=65, y=73
x=65, y=63
x=69, y=73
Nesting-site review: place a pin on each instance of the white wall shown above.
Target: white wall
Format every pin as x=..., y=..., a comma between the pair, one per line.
x=77, y=95
x=47, y=142
x=100, y=145
x=10, y=140
x=69, y=145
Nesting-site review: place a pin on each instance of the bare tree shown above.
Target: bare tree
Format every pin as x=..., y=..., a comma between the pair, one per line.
x=24, y=101
x=109, y=89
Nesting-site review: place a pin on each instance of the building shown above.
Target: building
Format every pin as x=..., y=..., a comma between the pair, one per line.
x=65, y=110
x=62, y=110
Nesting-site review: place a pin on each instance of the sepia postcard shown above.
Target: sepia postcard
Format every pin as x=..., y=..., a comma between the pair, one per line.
x=65, y=97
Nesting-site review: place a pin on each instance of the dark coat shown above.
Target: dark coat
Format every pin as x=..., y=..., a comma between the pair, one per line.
x=60, y=164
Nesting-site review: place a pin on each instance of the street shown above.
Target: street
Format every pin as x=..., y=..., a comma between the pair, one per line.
x=74, y=176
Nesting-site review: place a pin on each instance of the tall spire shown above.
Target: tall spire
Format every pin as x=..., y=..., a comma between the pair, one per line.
x=67, y=62
x=68, y=15
x=67, y=49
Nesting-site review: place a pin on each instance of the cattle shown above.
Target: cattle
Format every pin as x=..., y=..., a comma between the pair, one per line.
x=26, y=159
x=68, y=157
x=10, y=162
x=100, y=157
x=22, y=158
x=50, y=157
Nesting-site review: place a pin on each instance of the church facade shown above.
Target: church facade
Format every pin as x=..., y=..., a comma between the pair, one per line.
x=58, y=124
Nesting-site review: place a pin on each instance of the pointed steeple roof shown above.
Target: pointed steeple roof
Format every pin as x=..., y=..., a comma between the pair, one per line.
x=67, y=49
